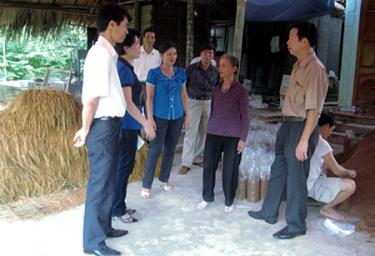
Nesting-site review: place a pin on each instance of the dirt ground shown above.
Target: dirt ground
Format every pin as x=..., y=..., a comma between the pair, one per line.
x=363, y=200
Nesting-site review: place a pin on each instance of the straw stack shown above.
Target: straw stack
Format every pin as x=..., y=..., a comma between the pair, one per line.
x=140, y=160
x=36, y=153
x=37, y=156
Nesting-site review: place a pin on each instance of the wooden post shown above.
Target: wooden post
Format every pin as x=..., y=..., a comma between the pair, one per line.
x=238, y=29
x=137, y=16
x=189, y=31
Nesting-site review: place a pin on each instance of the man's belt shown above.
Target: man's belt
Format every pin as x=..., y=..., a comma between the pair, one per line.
x=108, y=118
x=201, y=98
x=293, y=119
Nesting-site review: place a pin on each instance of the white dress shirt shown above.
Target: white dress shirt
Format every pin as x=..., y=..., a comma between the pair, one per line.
x=100, y=79
x=198, y=59
x=145, y=62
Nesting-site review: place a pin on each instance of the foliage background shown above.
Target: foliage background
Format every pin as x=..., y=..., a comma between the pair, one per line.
x=28, y=57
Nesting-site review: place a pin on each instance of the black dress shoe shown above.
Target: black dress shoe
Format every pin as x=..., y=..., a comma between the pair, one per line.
x=117, y=233
x=104, y=251
x=259, y=216
x=286, y=234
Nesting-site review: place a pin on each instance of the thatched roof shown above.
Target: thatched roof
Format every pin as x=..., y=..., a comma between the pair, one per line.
x=39, y=17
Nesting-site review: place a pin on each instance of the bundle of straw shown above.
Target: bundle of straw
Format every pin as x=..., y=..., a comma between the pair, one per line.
x=139, y=166
x=37, y=156
x=36, y=153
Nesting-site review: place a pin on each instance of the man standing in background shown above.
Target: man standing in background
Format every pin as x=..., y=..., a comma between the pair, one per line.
x=149, y=58
x=202, y=77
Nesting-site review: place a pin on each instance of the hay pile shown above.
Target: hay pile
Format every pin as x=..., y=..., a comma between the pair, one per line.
x=37, y=156
x=36, y=153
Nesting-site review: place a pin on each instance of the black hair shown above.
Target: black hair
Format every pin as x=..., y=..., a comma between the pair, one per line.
x=166, y=46
x=128, y=41
x=234, y=62
x=306, y=30
x=207, y=46
x=147, y=30
x=327, y=118
x=109, y=12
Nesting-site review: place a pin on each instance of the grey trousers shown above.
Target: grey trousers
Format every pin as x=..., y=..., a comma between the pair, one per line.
x=290, y=173
x=194, y=138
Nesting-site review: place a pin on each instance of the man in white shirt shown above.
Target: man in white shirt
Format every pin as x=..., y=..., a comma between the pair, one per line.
x=103, y=107
x=149, y=58
x=329, y=190
x=199, y=58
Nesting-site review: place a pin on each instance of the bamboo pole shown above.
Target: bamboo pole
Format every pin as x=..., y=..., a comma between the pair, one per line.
x=137, y=15
x=189, y=31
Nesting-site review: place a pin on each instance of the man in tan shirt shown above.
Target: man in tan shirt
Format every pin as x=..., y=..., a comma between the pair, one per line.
x=298, y=134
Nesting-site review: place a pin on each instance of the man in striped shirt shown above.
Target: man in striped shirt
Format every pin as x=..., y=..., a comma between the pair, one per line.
x=202, y=77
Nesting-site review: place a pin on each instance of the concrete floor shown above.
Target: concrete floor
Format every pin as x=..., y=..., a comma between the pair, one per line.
x=169, y=224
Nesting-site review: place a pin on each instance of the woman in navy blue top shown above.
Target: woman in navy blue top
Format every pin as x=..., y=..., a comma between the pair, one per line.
x=132, y=122
x=167, y=108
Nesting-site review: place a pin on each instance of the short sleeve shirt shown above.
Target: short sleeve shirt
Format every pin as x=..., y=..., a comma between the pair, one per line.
x=316, y=162
x=129, y=79
x=167, y=94
x=100, y=79
x=307, y=88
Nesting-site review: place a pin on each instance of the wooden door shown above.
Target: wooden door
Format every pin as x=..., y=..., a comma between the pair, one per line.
x=364, y=90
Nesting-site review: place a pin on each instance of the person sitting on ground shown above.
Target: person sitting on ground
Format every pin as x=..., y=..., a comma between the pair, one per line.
x=329, y=190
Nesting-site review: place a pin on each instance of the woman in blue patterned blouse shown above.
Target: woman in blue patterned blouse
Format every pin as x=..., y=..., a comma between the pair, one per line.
x=167, y=108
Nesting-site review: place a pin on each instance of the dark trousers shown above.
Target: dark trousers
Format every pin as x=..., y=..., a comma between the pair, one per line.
x=288, y=171
x=213, y=148
x=102, y=145
x=125, y=165
x=167, y=133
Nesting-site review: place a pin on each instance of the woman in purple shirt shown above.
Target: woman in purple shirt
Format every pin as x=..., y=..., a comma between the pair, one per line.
x=227, y=130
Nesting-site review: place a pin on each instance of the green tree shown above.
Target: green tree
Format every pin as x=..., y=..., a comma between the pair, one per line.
x=29, y=57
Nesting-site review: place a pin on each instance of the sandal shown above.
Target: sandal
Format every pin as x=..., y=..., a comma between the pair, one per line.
x=126, y=218
x=202, y=204
x=166, y=186
x=145, y=193
x=130, y=211
x=229, y=208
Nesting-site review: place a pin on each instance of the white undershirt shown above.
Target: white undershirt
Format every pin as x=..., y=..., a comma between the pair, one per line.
x=316, y=162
